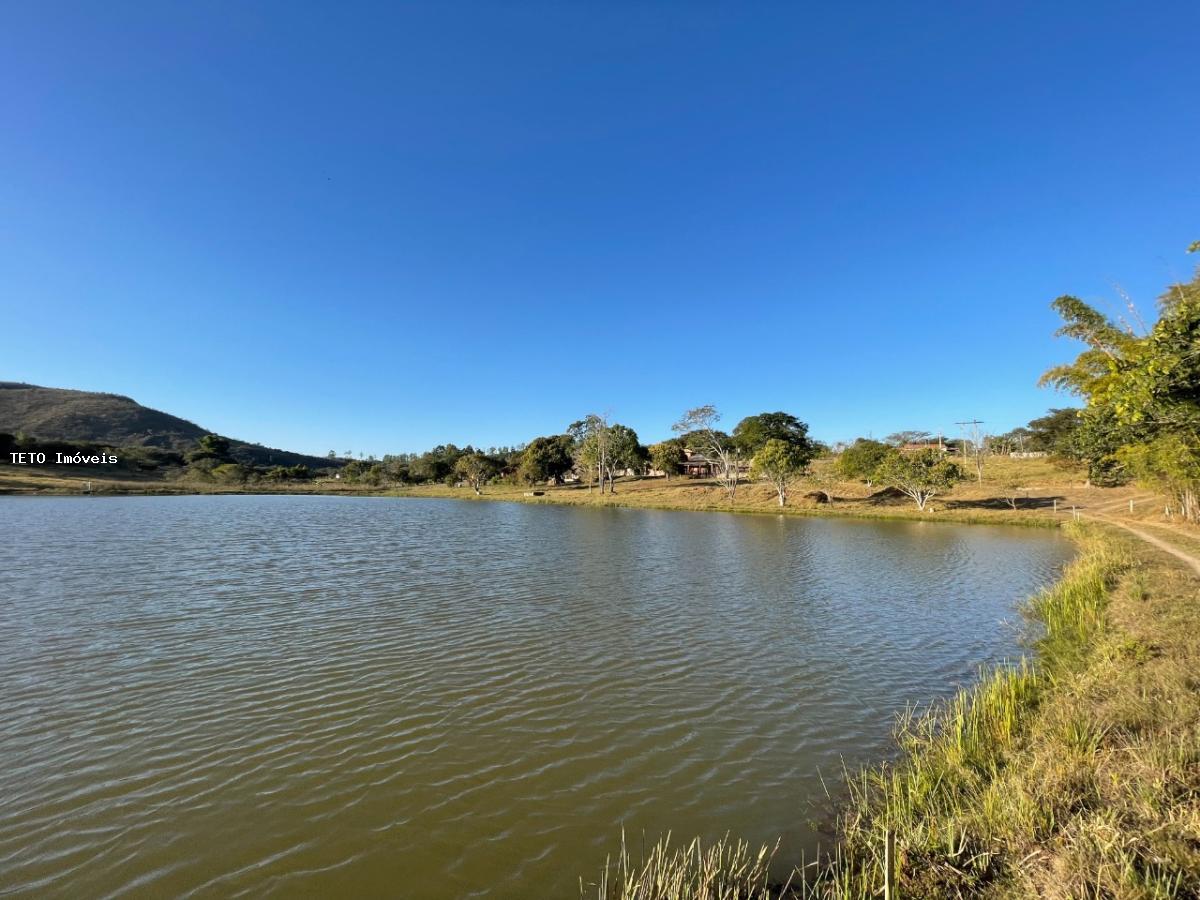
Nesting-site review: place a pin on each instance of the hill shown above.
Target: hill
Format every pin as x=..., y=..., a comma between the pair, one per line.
x=87, y=417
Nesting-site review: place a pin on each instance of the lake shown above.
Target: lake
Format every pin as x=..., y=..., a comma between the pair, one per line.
x=220, y=696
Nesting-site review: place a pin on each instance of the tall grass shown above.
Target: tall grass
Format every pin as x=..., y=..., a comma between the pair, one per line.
x=724, y=870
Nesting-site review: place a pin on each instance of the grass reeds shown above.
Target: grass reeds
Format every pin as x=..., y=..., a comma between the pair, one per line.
x=724, y=870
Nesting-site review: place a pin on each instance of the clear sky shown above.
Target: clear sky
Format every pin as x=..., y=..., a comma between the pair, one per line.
x=378, y=227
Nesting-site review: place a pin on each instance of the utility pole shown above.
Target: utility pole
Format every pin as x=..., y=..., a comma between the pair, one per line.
x=974, y=423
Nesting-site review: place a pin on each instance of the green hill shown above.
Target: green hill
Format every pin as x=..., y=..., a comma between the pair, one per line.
x=86, y=417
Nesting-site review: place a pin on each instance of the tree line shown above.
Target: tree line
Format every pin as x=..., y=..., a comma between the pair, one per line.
x=596, y=451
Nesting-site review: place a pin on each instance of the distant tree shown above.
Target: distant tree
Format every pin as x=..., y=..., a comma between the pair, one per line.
x=668, y=456
x=698, y=428
x=753, y=432
x=1019, y=440
x=1012, y=491
x=900, y=438
x=475, y=469
x=781, y=462
x=546, y=459
x=623, y=451
x=436, y=465
x=606, y=448
x=590, y=447
x=233, y=473
x=1097, y=443
x=211, y=446
x=214, y=444
x=824, y=479
x=921, y=475
x=860, y=460
x=396, y=468
x=1054, y=432
x=642, y=456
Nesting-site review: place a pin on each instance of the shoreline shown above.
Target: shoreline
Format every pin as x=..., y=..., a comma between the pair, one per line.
x=893, y=513
x=752, y=499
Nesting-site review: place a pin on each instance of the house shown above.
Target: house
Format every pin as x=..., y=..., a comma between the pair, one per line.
x=698, y=465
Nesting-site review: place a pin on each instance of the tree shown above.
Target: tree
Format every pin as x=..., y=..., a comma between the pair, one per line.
x=1142, y=392
x=859, y=461
x=780, y=463
x=668, y=456
x=824, y=479
x=921, y=475
x=475, y=469
x=211, y=446
x=1169, y=463
x=976, y=445
x=606, y=448
x=698, y=427
x=436, y=464
x=1016, y=441
x=753, y=432
x=590, y=447
x=900, y=438
x=622, y=452
x=1012, y=491
x=1052, y=432
x=546, y=459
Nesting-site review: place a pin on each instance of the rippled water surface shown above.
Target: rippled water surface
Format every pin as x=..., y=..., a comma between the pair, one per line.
x=221, y=696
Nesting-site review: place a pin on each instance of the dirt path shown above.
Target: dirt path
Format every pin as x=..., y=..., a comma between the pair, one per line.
x=1158, y=542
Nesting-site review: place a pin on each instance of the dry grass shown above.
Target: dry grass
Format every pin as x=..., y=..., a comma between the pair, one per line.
x=1041, y=482
x=54, y=480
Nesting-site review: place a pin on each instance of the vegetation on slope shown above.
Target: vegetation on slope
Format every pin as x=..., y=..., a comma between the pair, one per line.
x=55, y=419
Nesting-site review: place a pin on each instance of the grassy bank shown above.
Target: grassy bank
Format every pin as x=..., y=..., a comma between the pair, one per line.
x=1046, y=495
x=1076, y=774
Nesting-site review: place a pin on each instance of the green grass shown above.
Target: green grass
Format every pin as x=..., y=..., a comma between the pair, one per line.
x=723, y=870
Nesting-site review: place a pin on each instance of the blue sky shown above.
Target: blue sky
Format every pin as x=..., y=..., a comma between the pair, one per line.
x=381, y=227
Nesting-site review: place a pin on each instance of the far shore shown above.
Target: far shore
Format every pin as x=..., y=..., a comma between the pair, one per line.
x=1046, y=495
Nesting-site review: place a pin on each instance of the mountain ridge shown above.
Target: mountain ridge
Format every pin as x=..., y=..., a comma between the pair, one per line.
x=96, y=417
